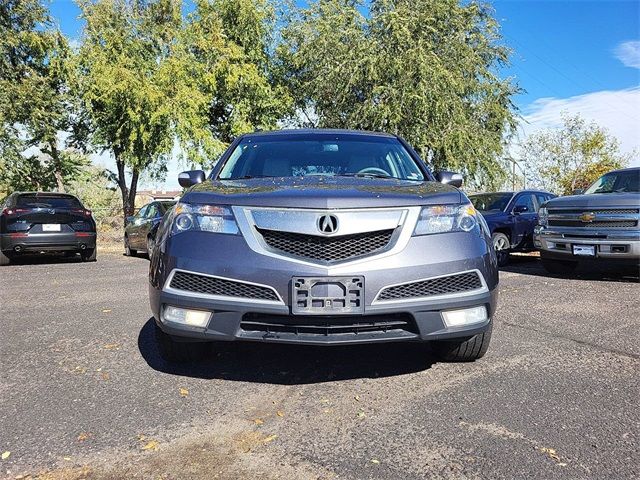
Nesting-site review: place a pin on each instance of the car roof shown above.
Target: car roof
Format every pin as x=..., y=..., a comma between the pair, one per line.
x=318, y=131
x=629, y=169
x=47, y=194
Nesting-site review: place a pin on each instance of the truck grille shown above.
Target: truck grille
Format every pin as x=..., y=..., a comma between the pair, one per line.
x=462, y=282
x=191, y=282
x=327, y=326
x=327, y=249
x=609, y=211
x=579, y=223
x=601, y=218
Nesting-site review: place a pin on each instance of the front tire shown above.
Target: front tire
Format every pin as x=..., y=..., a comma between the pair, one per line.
x=464, y=350
x=502, y=246
x=173, y=351
x=128, y=251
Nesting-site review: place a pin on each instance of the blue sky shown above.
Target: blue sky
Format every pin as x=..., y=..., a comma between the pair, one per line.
x=576, y=56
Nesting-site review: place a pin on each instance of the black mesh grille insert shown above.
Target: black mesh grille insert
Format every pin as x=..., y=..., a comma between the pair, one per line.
x=578, y=223
x=327, y=249
x=192, y=282
x=609, y=211
x=327, y=325
x=462, y=282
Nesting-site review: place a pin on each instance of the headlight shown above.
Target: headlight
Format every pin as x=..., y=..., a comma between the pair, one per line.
x=543, y=217
x=446, y=218
x=206, y=218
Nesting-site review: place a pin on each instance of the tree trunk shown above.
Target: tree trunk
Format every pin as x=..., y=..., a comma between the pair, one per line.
x=54, y=153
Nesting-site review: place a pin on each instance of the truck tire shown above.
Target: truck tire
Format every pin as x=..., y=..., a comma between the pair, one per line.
x=172, y=351
x=558, y=267
x=464, y=350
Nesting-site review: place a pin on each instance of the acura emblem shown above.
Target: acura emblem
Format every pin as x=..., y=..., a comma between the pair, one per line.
x=328, y=223
x=587, y=217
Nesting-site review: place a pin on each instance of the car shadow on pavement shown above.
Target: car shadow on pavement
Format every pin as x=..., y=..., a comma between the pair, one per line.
x=44, y=259
x=531, y=265
x=292, y=364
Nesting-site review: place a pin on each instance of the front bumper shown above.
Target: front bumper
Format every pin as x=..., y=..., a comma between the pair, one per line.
x=557, y=242
x=42, y=242
x=229, y=257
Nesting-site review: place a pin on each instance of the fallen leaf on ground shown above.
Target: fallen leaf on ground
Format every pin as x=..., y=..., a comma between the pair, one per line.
x=258, y=421
x=361, y=414
x=357, y=398
x=152, y=445
x=551, y=452
x=106, y=310
x=375, y=461
x=184, y=392
x=84, y=436
x=105, y=376
x=111, y=346
x=68, y=459
x=270, y=438
x=5, y=455
x=279, y=413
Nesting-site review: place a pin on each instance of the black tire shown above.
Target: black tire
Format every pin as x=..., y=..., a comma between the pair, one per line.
x=464, y=350
x=502, y=247
x=172, y=351
x=128, y=251
x=5, y=259
x=89, y=255
x=558, y=267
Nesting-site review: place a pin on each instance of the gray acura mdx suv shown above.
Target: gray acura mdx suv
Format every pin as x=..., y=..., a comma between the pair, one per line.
x=323, y=237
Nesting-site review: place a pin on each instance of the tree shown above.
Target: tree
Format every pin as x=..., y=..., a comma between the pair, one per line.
x=422, y=69
x=572, y=156
x=36, y=106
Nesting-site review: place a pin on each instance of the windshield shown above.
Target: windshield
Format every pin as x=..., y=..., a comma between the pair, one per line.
x=490, y=201
x=45, y=201
x=617, y=182
x=325, y=155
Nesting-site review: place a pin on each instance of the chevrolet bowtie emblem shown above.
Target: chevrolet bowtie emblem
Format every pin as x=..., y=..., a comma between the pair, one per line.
x=587, y=217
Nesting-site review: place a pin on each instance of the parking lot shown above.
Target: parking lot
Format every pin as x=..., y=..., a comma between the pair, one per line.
x=84, y=393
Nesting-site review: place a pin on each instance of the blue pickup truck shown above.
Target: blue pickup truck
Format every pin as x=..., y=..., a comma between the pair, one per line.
x=511, y=217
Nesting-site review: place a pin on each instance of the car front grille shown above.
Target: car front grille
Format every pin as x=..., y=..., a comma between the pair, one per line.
x=327, y=249
x=579, y=223
x=462, y=282
x=609, y=211
x=191, y=282
x=327, y=326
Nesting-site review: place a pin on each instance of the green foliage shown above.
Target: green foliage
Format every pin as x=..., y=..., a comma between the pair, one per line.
x=97, y=193
x=423, y=69
x=571, y=157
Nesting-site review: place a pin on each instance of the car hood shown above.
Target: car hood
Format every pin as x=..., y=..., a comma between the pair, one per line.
x=596, y=200
x=322, y=192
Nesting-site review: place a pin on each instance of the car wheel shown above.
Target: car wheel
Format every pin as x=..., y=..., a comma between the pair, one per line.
x=464, y=350
x=173, y=351
x=558, y=267
x=128, y=251
x=5, y=259
x=89, y=255
x=502, y=246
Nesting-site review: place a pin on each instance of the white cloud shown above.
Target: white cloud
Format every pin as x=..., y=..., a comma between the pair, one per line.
x=616, y=110
x=629, y=53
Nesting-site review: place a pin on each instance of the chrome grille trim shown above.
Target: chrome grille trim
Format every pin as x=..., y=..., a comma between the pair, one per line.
x=275, y=298
x=481, y=288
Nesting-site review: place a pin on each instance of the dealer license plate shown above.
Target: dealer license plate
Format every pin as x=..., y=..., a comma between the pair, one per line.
x=327, y=295
x=584, y=250
x=50, y=227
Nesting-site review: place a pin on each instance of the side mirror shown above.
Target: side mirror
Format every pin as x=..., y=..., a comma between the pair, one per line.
x=191, y=178
x=130, y=219
x=518, y=209
x=449, y=178
x=578, y=191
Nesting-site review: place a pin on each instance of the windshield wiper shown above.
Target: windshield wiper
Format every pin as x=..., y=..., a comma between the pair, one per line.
x=366, y=175
x=248, y=177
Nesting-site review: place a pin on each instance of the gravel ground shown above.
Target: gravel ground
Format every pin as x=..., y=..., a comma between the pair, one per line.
x=85, y=395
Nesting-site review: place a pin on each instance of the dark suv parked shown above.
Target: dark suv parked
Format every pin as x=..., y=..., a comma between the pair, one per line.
x=323, y=237
x=511, y=218
x=34, y=222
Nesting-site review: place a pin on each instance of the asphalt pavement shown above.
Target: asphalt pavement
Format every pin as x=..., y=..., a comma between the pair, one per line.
x=84, y=394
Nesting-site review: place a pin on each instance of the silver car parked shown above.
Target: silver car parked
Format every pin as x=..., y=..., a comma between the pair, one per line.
x=323, y=237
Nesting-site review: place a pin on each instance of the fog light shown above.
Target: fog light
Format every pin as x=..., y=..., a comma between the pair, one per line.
x=465, y=316
x=194, y=318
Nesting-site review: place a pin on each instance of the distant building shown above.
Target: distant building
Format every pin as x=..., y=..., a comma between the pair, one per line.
x=145, y=196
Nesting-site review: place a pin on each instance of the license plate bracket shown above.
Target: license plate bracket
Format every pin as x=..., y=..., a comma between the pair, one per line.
x=327, y=295
x=584, y=250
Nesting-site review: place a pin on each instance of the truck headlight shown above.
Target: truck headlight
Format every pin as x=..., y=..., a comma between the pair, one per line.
x=205, y=218
x=543, y=217
x=446, y=218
